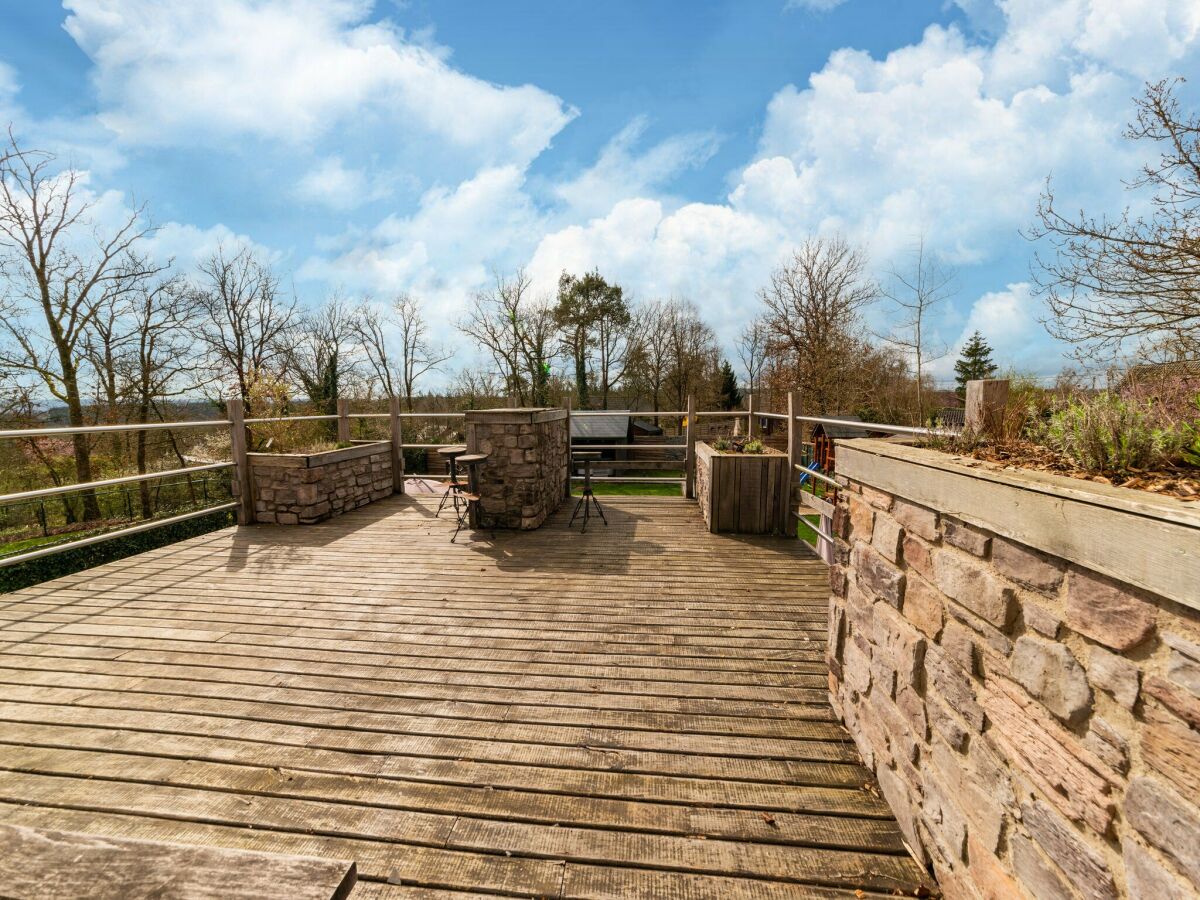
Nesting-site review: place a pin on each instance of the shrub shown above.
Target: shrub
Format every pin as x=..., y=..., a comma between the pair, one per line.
x=722, y=445
x=755, y=446
x=1110, y=434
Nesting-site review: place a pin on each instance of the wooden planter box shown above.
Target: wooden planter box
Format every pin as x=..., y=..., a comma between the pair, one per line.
x=740, y=493
x=301, y=488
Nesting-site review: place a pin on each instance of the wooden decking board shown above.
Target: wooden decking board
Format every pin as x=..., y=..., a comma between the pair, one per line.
x=639, y=711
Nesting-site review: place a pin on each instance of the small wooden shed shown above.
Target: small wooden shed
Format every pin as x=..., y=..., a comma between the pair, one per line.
x=825, y=433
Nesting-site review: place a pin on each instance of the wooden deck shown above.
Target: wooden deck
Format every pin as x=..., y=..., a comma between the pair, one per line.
x=640, y=711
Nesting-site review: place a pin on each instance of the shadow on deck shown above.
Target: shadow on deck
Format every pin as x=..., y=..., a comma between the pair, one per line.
x=640, y=711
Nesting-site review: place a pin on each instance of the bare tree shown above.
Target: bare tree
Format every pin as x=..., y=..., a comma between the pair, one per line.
x=752, y=351
x=371, y=326
x=57, y=271
x=617, y=335
x=418, y=355
x=652, y=356
x=1133, y=279
x=517, y=331
x=319, y=351
x=160, y=361
x=692, y=349
x=915, y=292
x=814, y=306
x=244, y=317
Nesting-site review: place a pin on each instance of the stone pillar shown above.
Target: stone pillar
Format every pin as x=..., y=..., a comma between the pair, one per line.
x=525, y=476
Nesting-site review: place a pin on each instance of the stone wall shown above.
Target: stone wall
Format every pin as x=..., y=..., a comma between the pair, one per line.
x=1033, y=721
x=525, y=476
x=292, y=489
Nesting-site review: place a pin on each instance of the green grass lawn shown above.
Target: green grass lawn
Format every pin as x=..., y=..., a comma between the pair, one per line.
x=804, y=529
x=21, y=546
x=635, y=489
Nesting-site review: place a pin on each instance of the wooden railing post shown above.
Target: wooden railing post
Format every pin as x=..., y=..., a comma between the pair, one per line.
x=570, y=461
x=343, y=420
x=689, y=467
x=237, y=445
x=751, y=427
x=786, y=526
x=986, y=400
x=397, y=435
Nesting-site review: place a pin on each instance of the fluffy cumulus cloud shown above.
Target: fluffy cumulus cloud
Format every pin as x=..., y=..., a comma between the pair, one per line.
x=294, y=70
x=952, y=137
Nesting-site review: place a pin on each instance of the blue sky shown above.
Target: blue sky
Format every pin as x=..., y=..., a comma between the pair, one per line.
x=681, y=147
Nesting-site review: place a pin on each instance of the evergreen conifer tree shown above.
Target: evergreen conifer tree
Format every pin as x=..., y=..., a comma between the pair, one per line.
x=974, y=363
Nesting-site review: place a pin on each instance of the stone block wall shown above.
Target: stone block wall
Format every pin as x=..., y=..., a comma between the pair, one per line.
x=291, y=489
x=525, y=476
x=1034, y=724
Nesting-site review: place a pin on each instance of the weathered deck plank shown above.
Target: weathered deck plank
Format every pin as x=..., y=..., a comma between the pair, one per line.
x=640, y=711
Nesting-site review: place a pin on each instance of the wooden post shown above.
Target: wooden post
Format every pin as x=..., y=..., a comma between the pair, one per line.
x=570, y=463
x=397, y=435
x=787, y=527
x=986, y=400
x=689, y=466
x=343, y=422
x=751, y=426
x=237, y=445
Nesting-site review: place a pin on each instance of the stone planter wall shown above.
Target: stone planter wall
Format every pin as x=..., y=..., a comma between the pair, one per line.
x=740, y=493
x=525, y=476
x=1017, y=656
x=291, y=489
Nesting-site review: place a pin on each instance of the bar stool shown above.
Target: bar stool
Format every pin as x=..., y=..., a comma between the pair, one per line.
x=468, y=515
x=587, y=500
x=454, y=487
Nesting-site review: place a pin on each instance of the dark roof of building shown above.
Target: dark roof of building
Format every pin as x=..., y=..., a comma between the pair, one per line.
x=1180, y=368
x=842, y=431
x=612, y=427
x=951, y=416
x=647, y=426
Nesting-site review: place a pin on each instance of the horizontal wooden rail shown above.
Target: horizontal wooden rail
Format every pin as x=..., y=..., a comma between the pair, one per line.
x=412, y=415
x=109, y=482
x=584, y=448
x=100, y=429
x=677, y=480
x=265, y=419
x=726, y=414
x=109, y=535
x=638, y=414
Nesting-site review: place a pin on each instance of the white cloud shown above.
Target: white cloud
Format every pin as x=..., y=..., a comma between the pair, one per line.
x=622, y=172
x=446, y=249
x=948, y=137
x=331, y=183
x=294, y=70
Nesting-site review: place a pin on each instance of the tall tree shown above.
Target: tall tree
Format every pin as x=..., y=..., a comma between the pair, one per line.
x=319, y=354
x=651, y=362
x=752, y=351
x=583, y=304
x=244, y=319
x=814, y=304
x=728, y=394
x=1111, y=282
x=417, y=355
x=518, y=332
x=57, y=267
x=693, y=352
x=916, y=291
x=974, y=362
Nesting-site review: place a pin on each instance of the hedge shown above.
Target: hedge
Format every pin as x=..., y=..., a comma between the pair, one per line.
x=35, y=571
